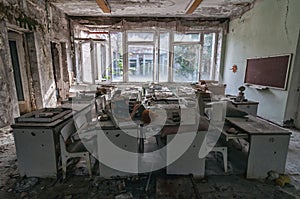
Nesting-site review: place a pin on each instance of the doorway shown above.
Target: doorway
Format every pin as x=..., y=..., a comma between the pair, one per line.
x=17, y=54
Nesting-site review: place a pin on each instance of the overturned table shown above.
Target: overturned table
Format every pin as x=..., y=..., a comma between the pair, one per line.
x=268, y=145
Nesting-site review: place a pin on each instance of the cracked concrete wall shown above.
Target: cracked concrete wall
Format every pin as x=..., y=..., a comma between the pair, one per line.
x=270, y=28
x=40, y=23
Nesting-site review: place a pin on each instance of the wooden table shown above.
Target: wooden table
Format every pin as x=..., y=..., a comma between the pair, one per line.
x=268, y=145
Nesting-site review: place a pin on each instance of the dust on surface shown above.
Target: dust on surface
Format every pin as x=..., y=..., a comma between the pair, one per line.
x=79, y=185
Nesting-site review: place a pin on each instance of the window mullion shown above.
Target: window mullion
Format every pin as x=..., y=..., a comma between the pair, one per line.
x=79, y=75
x=201, y=55
x=214, y=66
x=125, y=57
x=171, y=55
x=158, y=56
x=110, y=57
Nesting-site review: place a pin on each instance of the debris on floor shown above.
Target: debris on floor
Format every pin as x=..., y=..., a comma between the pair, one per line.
x=176, y=187
x=134, y=186
x=160, y=186
x=6, y=137
x=272, y=175
x=283, y=180
x=26, y=184
x=124, y=196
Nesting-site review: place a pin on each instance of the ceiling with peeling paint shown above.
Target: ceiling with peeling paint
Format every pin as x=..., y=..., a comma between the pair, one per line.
x=155, y=8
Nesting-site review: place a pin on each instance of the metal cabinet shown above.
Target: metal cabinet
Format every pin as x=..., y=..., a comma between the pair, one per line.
x=115, y=146
x=189, y=162
x=266, y=153
x=36, y=141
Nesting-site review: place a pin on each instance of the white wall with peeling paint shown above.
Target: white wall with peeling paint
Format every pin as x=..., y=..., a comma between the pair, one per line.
x=270, y=28
x=38, y=27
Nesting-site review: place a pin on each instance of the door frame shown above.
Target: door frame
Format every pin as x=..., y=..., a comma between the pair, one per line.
x=18, y=37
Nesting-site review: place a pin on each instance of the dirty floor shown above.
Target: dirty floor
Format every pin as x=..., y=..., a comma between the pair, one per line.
x=216, y=184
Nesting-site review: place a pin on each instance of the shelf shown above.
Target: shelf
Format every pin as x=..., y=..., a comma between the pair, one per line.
x=257, y=87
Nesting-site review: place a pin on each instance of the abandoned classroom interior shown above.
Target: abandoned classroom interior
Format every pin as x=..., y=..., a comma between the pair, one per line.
x=149, y=99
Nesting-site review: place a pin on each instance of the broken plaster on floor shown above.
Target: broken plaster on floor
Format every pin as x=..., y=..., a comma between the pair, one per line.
x=78, y=184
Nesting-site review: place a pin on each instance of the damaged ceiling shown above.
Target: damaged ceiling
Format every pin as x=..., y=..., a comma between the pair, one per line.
x=156, y=8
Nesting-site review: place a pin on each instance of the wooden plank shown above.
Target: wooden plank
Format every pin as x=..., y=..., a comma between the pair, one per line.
x=103, y=4
x=253, y=125
x=193, y=6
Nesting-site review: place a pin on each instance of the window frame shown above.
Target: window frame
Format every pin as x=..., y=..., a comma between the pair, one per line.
x=158, y=54
x=215, y=66
x=174, y=43
x=139, y=43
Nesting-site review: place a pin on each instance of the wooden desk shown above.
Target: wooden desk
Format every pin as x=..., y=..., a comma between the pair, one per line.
x=268, y=145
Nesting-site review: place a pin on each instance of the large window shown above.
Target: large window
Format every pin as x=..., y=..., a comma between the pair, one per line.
x=155, y=55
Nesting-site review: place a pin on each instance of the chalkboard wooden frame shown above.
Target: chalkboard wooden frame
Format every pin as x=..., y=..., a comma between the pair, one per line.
x=270, y=72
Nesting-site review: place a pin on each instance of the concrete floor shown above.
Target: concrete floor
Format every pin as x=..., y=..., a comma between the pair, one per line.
x=216, y=184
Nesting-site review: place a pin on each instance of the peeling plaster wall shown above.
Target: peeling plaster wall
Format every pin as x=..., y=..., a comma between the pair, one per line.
x=40, y=23
x=60, y=34
x=156, y=8
x=8, y=98
x=270, y=28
